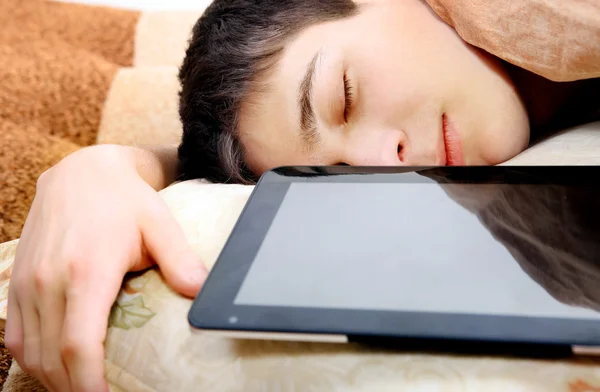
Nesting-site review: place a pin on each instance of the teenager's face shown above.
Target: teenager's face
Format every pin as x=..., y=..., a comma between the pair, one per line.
x=390, y=86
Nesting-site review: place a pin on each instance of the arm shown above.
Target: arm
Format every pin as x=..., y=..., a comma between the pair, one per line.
x=555, y=39
x=156, y=165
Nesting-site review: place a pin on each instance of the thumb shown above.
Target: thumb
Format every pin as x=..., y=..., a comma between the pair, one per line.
x=166, y=243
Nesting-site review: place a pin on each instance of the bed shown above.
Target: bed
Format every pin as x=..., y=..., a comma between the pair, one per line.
x=150, y=346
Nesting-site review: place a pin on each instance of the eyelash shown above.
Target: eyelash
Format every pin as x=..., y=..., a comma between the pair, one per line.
x=348, y=98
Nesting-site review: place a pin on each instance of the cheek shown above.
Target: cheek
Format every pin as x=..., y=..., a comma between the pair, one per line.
x=401, y=75
x=389, y=89
x=504, y=135
x=500, y=124
x=505, y=143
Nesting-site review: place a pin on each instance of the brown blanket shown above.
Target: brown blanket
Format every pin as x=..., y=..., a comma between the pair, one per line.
x=57, y=62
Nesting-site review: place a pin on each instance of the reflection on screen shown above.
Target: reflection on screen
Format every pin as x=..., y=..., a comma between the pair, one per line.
x=386, y=246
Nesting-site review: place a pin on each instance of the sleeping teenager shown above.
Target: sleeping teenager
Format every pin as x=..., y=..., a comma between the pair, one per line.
x=267, y=83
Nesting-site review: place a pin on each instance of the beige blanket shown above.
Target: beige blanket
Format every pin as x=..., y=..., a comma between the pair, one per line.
x=557, y=39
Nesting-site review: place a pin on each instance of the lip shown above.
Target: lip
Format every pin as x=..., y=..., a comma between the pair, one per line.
x=452, y=143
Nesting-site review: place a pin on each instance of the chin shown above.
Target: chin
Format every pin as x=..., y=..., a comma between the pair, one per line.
x=505, y=146
x=501, y=157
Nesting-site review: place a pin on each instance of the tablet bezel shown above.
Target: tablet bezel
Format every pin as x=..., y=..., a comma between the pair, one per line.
x=214, y=308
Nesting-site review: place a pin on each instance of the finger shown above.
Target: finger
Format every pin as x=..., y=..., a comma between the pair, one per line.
x=32, y=343
x=23, y=291
x=13, y=336
x=94, y=288
x=52, y=313
x=167, y=245
x=48, y=300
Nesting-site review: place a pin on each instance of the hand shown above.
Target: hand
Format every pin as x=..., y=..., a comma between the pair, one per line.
x=93, y=219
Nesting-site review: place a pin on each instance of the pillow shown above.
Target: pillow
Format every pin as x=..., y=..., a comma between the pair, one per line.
x=575, y=146
x=556, y=39
x=150, y=346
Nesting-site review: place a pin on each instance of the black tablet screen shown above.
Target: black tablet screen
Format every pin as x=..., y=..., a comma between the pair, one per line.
x=520, y=250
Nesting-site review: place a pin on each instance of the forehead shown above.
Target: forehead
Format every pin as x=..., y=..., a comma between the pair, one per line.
x=269, y=120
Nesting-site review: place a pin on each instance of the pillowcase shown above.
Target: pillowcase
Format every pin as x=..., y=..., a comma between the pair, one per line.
x=574, y=146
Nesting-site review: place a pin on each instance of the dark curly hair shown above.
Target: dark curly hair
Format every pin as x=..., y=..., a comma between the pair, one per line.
x=233, y=46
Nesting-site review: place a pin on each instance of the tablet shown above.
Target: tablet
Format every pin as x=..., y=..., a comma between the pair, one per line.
x=505, y=255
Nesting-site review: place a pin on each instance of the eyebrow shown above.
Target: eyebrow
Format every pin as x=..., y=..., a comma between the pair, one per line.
x=308, y=123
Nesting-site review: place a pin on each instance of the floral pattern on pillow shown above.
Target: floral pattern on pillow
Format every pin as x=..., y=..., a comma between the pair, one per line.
x=130, y=310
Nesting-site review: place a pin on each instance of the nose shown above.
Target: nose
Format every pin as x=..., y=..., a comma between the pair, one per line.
x=382, y=149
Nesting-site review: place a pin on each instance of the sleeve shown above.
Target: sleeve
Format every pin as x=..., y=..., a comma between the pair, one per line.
x=557, y=39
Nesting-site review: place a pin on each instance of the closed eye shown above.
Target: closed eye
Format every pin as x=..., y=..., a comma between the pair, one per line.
x=348, y=97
